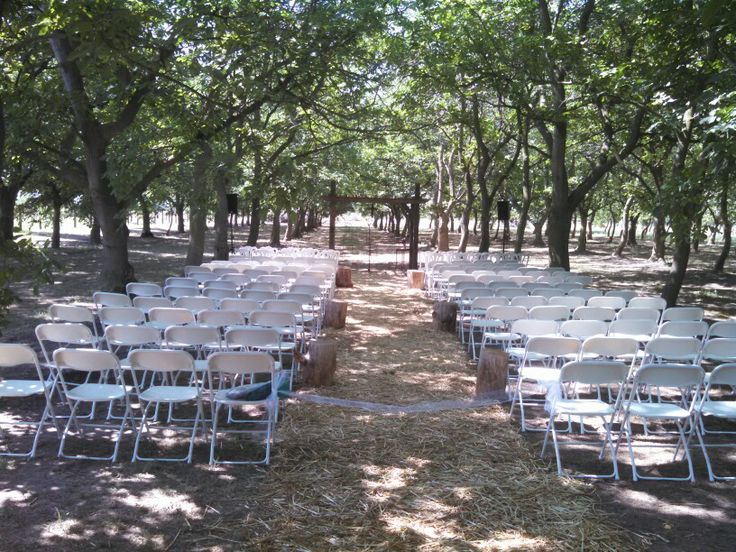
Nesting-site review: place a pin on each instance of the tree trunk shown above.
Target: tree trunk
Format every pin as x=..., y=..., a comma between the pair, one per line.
x=625, y=228
x=95, y=233
x=538, y=237
x=658, y=247
x=443, y=236
x=320, y=364
x=583, y=234
x=335, y=314
x=631, y=238
x=179, y=208
x=591, y=218
x=198, y=208
x=290, y=225
x=558, y=235
x=574, y=226
x=8, y=197
x=255, y=221
x=146, y=215
x=727, y=228
x=56, y=221
x=276, y=228
x=676, y=275
x=222, y=248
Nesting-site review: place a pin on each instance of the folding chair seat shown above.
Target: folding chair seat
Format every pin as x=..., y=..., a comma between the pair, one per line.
x=657, y=303
x=605, y=373
x=625, y=294
x=128, y=316
x=162, y=318
x=528, y=301
x=550, y=352
x=724, y=328
x=218, y=293
x=168, y=368
x=244, y=373
x=683, y=313
x=12, y=356
x=717, y=407
x=77, y=314
x=148, y=303
x=143, y=289
x=109, y=387
x=683, y=328
x=175, y=292
x=608, y=301
x=584, y=293
x=107, y=299
x=677, y=382
x=594, y=313
x=558, y=313
x=195, y=303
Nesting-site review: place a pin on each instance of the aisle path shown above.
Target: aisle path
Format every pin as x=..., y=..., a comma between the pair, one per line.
x=459, y=480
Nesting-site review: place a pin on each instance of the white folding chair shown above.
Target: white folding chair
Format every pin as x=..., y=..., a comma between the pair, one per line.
x=74, y=313
x=638, y=313
x=626, y=294
x=683, y=382
x=683, y=313
x=129, y=316
x=162, y=318
x=168, y=368
x=608, y=301
x=583, y=329
x=570, y=301
x=12, y=356
x=233, y=382
x=594, y=313
x=584, y=293
x=178, y=281
x=657, y=303
x=641, y=330
x=496, y=326
x=606, y=347
x=723, y=328
x=148, y=303
x=109, y=387
x=551, y=351
x=195, y=303
x=258, y=296
x=683, y=328
x=220, y=319
x=174, y=292
x=108, y=299
x=528, y=301
x=672, y=350
x=609, y=374
x=725, y=409
x=558, y=313
x=218, y=293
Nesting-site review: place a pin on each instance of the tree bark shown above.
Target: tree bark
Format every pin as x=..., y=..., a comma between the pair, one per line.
x=56, y=220
x=146, y=215
x=625, y=227
x=320, y=364
x=727, y=228
x=8, y=198
x=198, y=208
x=631, y=238
x=222, y=248
x=335, y=314
x=95, y=234
x=276, y=228
x=583, y=234
x=179, y=207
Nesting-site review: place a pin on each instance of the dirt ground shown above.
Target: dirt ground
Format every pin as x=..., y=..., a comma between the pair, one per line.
x=345, y=479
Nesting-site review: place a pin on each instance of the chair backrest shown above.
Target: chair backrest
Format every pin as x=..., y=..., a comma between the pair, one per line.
x=218, y=293
x=244, y=306
x=221, y=284
x=594, y=372
x=608, y=346
x=259, y=296
x=683, y=328
x=195, y=303
x=272, y=319
x=86, y=360
x=67, y=333
x=470, y=293
x=611, y=302
x=558, y=313
x=638, y=313
x=657, y=303
x=143, y=289
x=719, y=349
x=191, y=336
x=547, y=292
x=171, y=316
x=506, y=313
x=683, y=313
x=174, y=292
x=724, y=328
x=485, y=302
x=235, y=278
x=132, y=336
x=222, y=270
x=148, y=303
x=643, y=329
x=220, y=318
x=178, y=281
x=725, y=374
x=239, y=363
x=162, y=360
x=528, y=301
x=277, y=279
x=511, y=292
x=584, y=293
x=15, y=354
x=314, y=291
x=582, y=329
x=675, y=349
x=626, y=294
x=304, y=280
x=253, y=273
x=553, y=346
x=283, y=305
x=570, y=301
x=108, y=299
x=527, y=327
x=122, y=315
x=202, y=277
x=70, y=313
x=594, y=313
x=194, y=269
x=251, y=337
x=668, y=375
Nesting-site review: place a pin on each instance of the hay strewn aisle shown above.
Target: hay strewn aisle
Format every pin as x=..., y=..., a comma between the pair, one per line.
x=461, y=480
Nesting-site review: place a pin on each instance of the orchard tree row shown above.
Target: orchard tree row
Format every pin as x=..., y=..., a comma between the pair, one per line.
x=586, y=110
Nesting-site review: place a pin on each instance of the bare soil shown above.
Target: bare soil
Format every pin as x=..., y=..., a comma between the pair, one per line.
x=345, y=479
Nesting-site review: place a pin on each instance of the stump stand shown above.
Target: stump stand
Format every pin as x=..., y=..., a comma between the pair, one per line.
x=444, y=316
x=492, y=375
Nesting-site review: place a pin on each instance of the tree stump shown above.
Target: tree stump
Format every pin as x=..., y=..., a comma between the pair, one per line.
x=492, y=375
x=335, y=314
x=415, y=279
x=444, y=316
x=320, y=363
x=344, y=277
